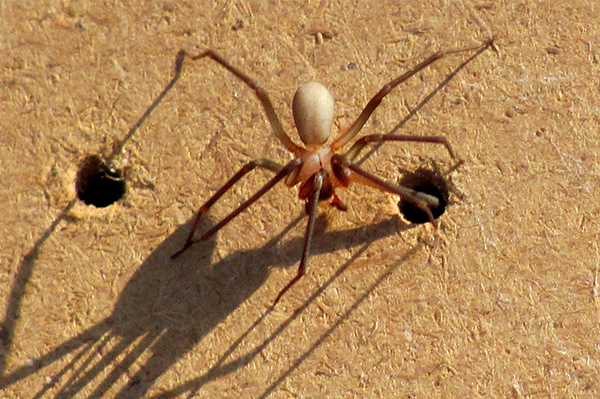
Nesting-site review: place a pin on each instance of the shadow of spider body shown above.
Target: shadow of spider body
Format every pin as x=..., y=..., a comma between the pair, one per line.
x=317, y=167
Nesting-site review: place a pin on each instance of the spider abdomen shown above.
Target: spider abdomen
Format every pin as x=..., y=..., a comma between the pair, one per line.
x=313, y=113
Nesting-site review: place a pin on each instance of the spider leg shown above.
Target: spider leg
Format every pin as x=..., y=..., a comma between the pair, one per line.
x=439, y=87
x=386, y=89
x=282, y=172
x=358, y=175
x=313, y=203
x=261, y=93
x=363, y=141
x=427, y=98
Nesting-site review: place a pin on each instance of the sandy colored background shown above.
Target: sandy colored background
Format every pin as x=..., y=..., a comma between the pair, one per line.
x=501, y=302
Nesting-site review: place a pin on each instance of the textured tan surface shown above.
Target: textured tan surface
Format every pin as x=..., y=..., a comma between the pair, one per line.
x=501, y=303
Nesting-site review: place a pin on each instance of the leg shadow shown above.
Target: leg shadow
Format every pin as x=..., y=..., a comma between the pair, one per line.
x=168, y=306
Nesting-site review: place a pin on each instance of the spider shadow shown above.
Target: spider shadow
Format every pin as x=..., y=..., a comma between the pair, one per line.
x=21, y=280
x=168, y=306
x=221, y=368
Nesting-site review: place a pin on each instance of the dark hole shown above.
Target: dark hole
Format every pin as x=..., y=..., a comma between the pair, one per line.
x=97, y=184
x=428, y=182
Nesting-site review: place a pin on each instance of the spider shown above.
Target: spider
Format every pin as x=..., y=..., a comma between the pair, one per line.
x=317, y=167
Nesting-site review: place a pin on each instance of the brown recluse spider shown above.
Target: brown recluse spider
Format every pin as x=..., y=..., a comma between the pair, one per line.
x=316, y=166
